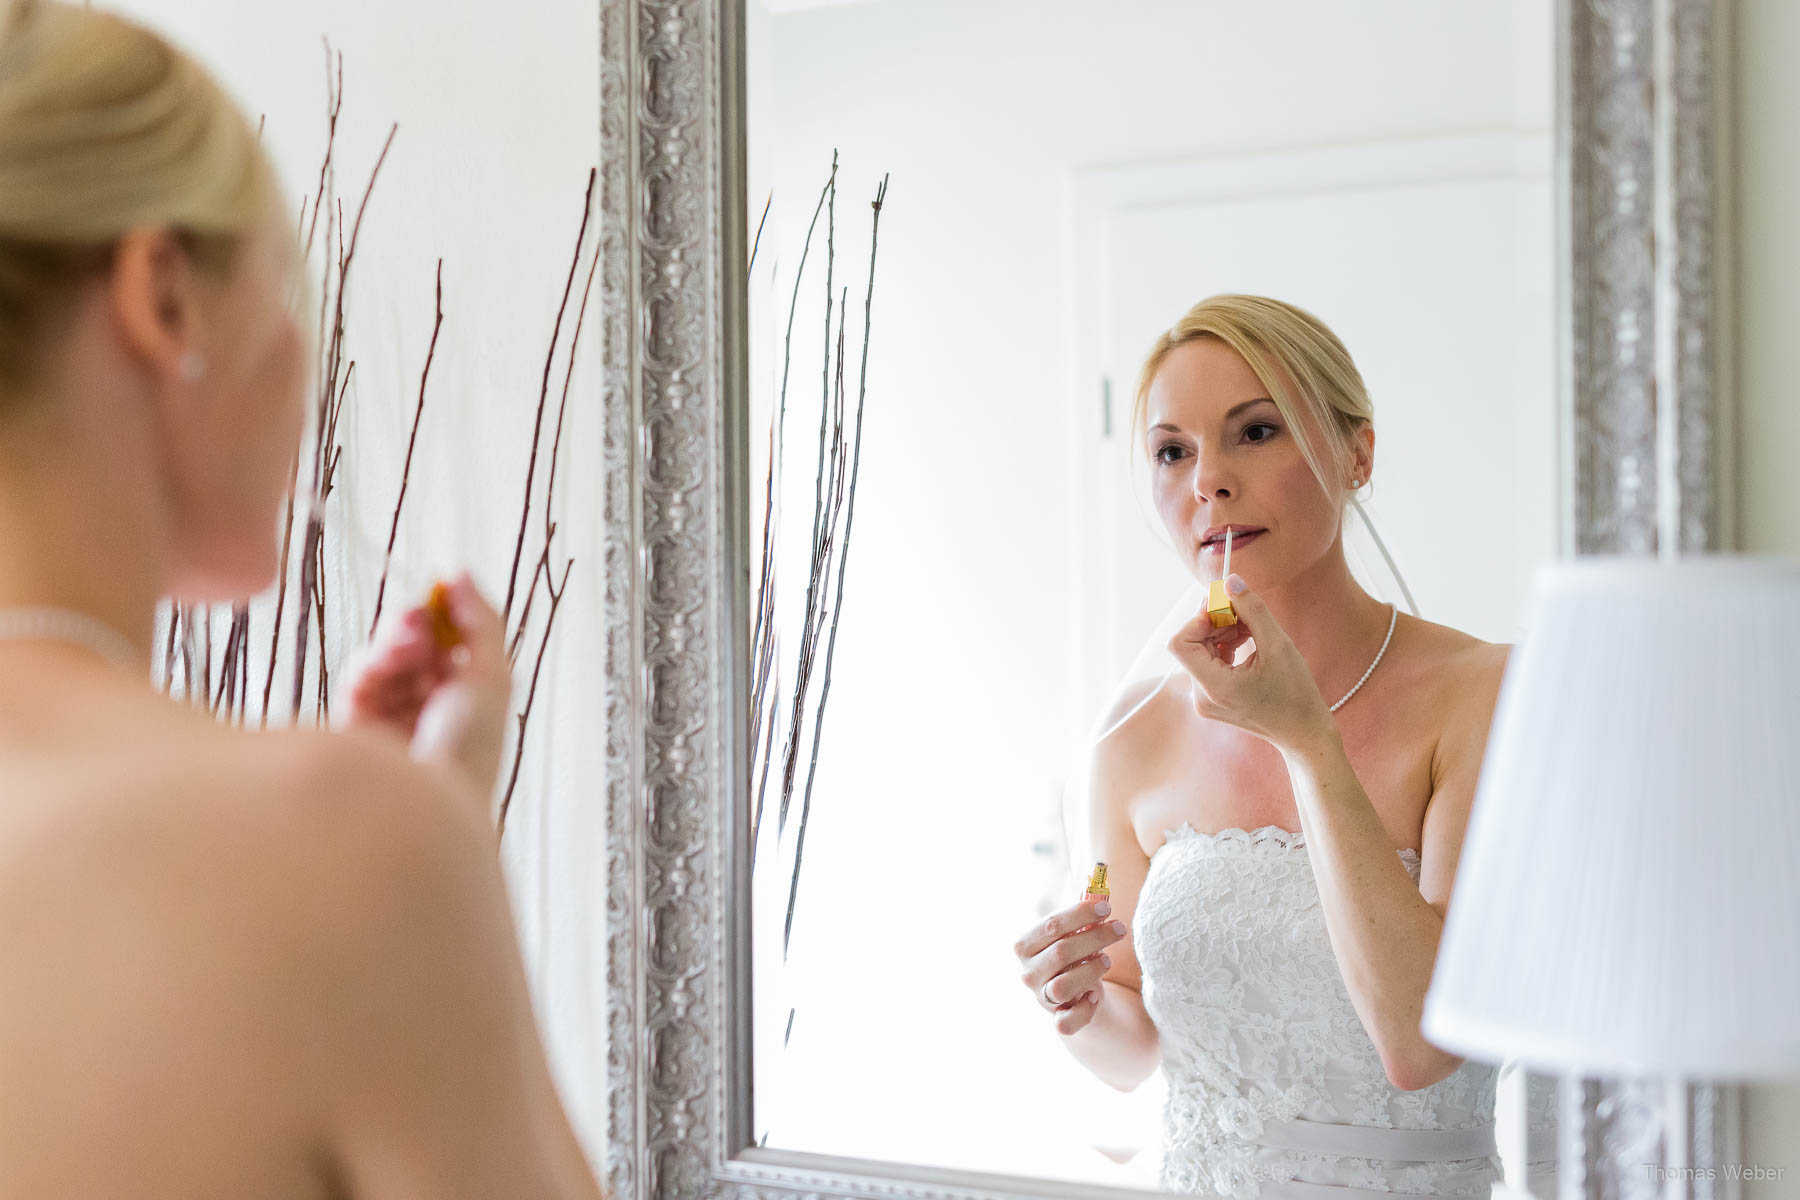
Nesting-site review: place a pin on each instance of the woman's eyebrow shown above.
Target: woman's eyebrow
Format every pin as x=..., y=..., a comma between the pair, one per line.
x=1232, y=412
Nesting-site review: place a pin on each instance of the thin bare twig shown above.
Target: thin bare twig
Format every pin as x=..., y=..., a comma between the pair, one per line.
x=826, y=193
x=512, y=578
x=825, y=523
x=542, y=569
x=411, y=442
x=334, y=104
x=543, y=565
x=754, y=245
x=556, y=595
x=838, y=603
x=562, y=406
x=281, y=586
x=324, y=457
x=169, y=648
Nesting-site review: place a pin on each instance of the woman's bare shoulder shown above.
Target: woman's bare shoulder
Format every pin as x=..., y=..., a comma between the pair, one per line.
x=1453, y=656
x=1136, y=735
x=1457, y=676
x=168, y=800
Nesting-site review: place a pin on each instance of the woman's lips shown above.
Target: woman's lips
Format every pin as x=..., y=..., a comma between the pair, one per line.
x=1237, y=543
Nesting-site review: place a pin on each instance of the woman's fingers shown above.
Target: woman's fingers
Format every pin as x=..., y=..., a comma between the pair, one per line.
x=390, y=677
x=1064, y=953
x=1075, y=982
x=1047, y=932
x=1075, y=1017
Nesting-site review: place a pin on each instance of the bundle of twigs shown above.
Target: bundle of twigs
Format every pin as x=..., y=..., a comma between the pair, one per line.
x=838, y=463
x=188, y=648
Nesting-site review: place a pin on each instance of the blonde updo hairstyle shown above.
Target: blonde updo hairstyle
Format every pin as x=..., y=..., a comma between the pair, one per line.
x=1296, y=357
x=104, y=128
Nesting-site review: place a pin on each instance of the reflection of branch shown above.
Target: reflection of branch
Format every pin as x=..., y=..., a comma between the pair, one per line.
x=825, y=553
x=512, y=578
x=803, y=674
x=556, y=595
x=837, y=607
x=411, y=442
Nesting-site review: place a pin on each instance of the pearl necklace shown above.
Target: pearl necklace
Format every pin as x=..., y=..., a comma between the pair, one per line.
x=1393, y=618
x=75, y=628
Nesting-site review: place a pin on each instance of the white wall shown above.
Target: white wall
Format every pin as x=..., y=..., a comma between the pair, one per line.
x=1767, y=302
x=945, y=732
x=498, y=115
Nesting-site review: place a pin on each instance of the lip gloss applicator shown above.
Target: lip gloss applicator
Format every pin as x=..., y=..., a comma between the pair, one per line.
x=1096, y=885
x=1218, y=601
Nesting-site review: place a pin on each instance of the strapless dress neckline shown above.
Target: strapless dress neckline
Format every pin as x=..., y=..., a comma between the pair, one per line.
x=1287, y=839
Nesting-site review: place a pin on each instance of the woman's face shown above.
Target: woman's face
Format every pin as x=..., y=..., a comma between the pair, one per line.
x=243, y=424
x=1221, y=454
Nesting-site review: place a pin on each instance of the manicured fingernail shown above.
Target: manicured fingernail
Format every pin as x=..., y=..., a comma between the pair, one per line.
x=1118, y=927
x=1235, y=584
x=1106, y=960
x=1103, y=909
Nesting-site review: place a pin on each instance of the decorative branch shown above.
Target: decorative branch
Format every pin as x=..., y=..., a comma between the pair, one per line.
x=826, y=553
x=512, y=578
x=556, y=595
x=324, y=458
x=543, y=564
x=411, y=443
x=828, y=193
x=770, y=199
x=849, y=520
x=281, y=584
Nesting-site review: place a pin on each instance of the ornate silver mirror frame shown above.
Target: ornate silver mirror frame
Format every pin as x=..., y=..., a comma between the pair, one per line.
x=1646, y=439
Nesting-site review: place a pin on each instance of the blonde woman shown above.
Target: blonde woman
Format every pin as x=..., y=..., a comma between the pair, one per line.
x=1281, y=822
x=276, y=965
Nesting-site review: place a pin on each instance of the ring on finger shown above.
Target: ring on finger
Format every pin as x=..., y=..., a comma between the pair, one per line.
x=1044, y=995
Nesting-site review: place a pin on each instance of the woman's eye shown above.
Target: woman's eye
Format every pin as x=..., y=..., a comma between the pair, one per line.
x=1261, y=425
x=1168, y=454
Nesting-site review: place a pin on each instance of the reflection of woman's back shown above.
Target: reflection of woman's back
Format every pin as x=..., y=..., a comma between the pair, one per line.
x=1274, y=1086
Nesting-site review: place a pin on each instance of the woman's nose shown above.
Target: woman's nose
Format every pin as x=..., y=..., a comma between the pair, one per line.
x=1210, y=478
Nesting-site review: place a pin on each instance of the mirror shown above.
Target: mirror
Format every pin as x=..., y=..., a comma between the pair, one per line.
x=962, y=547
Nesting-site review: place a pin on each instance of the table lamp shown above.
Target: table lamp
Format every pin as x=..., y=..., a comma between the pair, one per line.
x=1627, y=901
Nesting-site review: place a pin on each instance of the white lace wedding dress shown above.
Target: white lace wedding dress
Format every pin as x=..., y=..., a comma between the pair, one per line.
x=1275, y=1091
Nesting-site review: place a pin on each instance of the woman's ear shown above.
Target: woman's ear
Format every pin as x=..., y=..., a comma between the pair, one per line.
x=153, y=295
x=1365, y=452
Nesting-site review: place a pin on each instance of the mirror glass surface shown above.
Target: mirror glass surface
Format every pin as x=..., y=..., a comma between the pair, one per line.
x=1064, y=181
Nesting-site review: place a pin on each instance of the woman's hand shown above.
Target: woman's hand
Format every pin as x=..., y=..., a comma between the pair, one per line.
x=1064, y=959
x=449, y=705
x=1271, y=693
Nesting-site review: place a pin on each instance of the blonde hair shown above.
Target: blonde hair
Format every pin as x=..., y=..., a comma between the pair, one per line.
x=106, y=127
x=1280, y=342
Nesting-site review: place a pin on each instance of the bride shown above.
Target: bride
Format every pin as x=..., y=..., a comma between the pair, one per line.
x=1281, y=813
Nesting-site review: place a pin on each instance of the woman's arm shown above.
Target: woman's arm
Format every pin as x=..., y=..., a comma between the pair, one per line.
x=1100, y=1004
x=1384, y=929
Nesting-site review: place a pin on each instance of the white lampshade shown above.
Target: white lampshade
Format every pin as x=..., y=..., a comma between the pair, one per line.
x=1628, y=896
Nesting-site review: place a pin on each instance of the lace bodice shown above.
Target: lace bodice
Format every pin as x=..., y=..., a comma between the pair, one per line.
x=1274, y=1086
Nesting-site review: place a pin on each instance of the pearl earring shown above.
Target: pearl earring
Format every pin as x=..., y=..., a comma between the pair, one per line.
x=193, y=367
